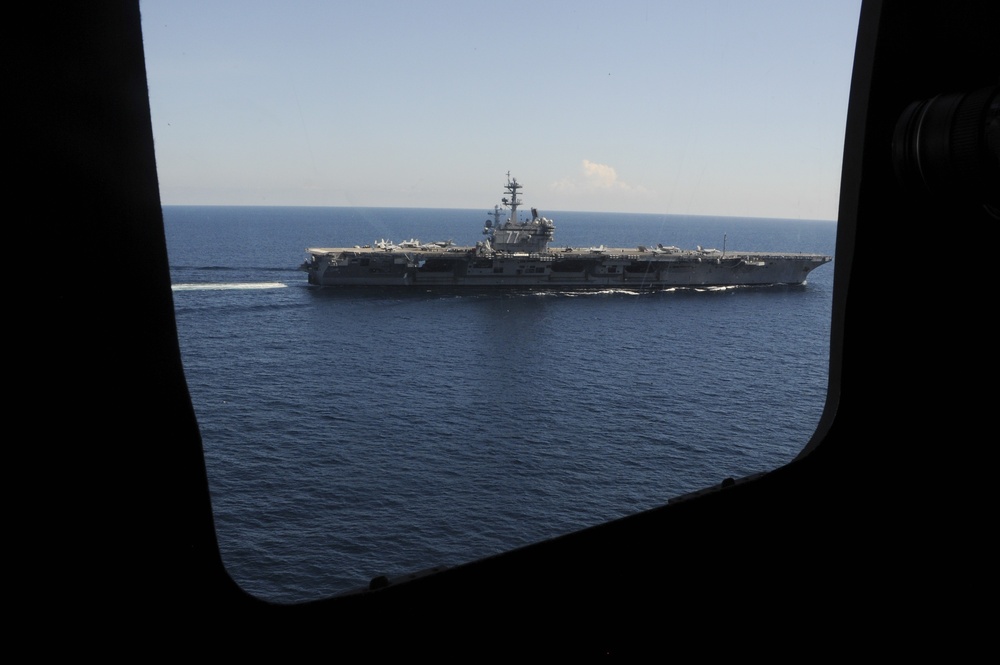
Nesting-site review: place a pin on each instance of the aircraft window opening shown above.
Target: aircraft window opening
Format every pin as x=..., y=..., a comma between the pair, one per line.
x=650, y=160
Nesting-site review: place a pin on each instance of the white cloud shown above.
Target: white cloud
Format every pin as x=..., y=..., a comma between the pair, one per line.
x=601, y=175
x=595, y=177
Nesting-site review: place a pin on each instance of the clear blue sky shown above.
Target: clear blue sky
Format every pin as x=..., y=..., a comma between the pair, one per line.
x=662, y=106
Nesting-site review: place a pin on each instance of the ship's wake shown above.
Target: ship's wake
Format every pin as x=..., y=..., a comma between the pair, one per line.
x=583, y=293
x=599, y=292
x=228, y=286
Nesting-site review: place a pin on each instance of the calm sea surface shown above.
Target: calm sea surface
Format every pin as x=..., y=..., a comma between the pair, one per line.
x=354, y=435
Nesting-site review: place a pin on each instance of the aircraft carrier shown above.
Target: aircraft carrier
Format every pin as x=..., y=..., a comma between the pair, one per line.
x=516, y=254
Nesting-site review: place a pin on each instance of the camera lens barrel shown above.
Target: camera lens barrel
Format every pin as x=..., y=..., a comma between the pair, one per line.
x=949, y=146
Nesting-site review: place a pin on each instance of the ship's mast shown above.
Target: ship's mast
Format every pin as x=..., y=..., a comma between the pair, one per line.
x=490, y=226
x=512, y=187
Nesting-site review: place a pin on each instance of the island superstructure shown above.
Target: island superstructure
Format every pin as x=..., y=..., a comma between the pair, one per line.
x=516, y=253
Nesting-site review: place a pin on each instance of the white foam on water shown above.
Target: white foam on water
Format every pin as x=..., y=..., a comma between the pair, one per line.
x=228, y=286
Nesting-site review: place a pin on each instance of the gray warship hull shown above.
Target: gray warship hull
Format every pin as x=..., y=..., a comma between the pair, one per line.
x=622, y=268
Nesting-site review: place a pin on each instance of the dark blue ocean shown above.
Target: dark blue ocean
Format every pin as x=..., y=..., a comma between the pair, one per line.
x=350, y=435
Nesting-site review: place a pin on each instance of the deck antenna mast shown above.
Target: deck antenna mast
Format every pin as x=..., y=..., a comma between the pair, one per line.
x=490, y=225
x=512, y=187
